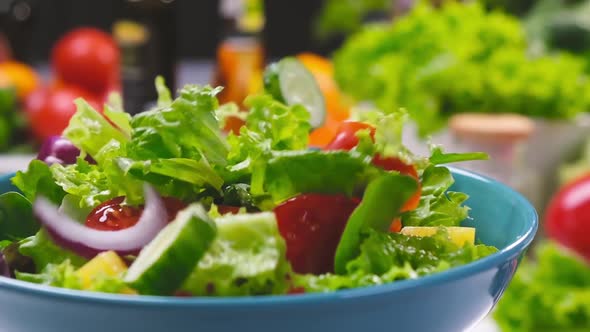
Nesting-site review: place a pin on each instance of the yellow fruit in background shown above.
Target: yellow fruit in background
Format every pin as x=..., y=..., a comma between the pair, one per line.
x=21, y=76
x=458, y=235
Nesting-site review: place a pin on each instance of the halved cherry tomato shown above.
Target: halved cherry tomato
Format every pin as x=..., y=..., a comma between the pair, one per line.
x=112, y=215
x=312, y=225
x=346, y=139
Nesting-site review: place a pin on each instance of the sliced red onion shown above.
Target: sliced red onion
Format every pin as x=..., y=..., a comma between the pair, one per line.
x=59, y=150
x=88, y=242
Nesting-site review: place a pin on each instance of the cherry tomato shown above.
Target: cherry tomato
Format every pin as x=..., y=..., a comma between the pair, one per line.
x=312, y=225
x=49, y=109
x=567, y=219
x=112, y=215
x=346, y=139
x=87, y=57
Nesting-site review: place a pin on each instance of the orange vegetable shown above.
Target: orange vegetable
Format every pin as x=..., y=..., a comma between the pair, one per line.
x=21, y=76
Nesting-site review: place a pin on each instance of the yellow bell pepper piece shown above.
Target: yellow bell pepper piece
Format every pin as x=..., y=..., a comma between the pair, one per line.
x=106, y=263
x=458, y=235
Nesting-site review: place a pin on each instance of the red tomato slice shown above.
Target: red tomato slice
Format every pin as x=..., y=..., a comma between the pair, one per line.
x=312, y=225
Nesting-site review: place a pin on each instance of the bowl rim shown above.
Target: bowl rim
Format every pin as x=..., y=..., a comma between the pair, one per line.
x=457, y=273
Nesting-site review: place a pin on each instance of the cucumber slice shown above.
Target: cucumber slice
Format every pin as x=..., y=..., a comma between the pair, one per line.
x=164, y=264
x=290, y=82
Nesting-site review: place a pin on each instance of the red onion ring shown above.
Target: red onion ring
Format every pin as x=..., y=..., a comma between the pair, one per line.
x=88, y=242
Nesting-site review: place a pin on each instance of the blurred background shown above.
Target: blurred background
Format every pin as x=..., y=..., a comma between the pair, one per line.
x=507, y=77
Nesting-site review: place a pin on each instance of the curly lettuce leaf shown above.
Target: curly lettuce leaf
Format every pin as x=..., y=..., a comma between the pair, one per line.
x=550, y=293
x=38, y=180
x=289, y=173
x=44, y=251
x=389, y=257
x=246, y=258
x=459, y=58
x=187, y=128
x=270, y=126
x=90, y=131
x=62, y=274
x=438, y=206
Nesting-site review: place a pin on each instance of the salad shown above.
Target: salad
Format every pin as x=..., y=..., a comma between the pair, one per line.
x=165, y=203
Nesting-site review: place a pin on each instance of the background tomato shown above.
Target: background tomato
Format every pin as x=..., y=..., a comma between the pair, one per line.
x=49, y=109
x=89, y=58
x=21, y=76
x=567, y=219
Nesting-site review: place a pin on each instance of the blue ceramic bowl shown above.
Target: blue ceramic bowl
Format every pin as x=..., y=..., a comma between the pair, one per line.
x=451, y=301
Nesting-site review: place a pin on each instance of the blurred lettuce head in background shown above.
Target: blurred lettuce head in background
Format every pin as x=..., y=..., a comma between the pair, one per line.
x=458, y=58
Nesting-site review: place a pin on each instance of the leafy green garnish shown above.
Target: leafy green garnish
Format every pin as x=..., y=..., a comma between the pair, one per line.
x=38, y=180
x=44, y=251
x=438, y=206
x=382, y=202
x=62, y=274
x=289, y=173
x=246, y=258
x=387, y=257
x=549, y=293
x=439, y=157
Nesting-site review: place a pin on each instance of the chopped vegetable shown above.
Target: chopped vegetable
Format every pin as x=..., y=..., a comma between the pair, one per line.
x=174, y=252
x=458, y=235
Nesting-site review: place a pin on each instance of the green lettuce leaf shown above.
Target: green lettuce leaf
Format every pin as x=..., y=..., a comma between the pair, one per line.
x=550, y=293
x=88, y=183
x=270, y=126
x=38, y=180
x=187, y=128
x=90, y=131
x=389, y=257
x=16, y=217
x=458, y=58
x=289, y=173
x=44, y=251
x=246, y=258
x=438, y=206
x=62, y=274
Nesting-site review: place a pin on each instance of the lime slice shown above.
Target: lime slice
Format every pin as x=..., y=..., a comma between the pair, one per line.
x=290, y=82
x=164, y=264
